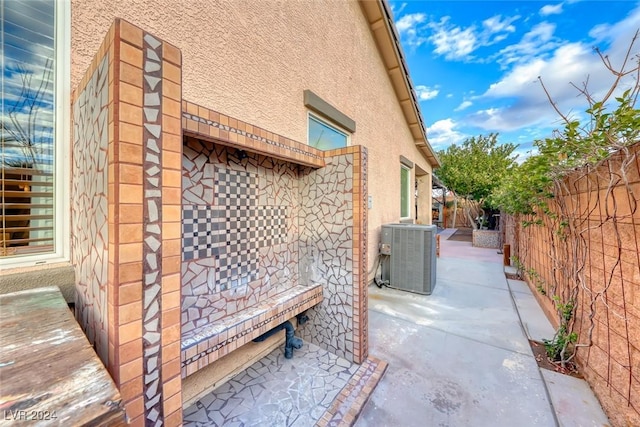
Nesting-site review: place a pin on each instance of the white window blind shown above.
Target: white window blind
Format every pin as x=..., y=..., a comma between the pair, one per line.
x=27, y=132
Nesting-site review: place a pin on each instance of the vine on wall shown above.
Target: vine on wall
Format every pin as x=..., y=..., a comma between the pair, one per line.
x=577, y=202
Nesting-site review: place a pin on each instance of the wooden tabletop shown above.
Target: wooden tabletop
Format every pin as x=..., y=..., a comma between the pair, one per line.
x=49, y=373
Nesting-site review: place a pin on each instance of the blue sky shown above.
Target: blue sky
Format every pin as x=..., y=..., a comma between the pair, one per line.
x=475, y=64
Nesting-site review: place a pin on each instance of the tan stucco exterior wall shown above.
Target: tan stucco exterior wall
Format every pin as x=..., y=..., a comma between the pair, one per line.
x=253, y=59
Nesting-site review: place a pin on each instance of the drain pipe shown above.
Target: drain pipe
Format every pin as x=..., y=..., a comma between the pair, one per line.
x=291, y=341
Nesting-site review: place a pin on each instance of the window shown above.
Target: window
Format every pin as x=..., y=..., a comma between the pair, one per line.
x=405, y=192
x=34, y=40
x=323, y=136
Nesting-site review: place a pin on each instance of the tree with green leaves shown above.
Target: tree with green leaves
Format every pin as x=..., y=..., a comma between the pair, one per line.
x=475, y=168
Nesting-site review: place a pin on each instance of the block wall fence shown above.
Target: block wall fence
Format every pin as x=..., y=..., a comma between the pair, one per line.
x=601, y=255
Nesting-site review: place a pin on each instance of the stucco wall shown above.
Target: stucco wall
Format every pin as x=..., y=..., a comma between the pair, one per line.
x=61, y=275
x=253, y=59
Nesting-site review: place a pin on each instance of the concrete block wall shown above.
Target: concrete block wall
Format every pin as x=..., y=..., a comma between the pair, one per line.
x=603, y=256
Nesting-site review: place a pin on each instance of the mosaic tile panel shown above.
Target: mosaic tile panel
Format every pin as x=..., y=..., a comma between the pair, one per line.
x=89, y=207
x=152, y=233
x=333, y=251
x=276, y=391
x=233, y=230
x=326, y=252
x=205, y=345
x=361, y=298
x=236, y=191
x=239, y=231
x=203, y=231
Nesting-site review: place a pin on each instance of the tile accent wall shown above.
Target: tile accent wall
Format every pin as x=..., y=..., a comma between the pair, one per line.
x=333, y=251
x=152, y=234
x=129, y=154
x=219, y=339
x=239, y=231
x=360, y=247
x=89, y=222
x=268, y=211
x=326, y=228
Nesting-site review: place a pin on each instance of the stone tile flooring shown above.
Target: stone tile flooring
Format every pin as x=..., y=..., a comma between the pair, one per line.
x=296, y=392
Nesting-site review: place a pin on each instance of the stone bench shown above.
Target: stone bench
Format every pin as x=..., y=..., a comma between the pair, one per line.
x=204, y=345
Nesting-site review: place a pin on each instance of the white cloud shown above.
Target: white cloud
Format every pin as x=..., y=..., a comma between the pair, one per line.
x=409, y=22
x=620, y=33
x=395, y=10
x=451, y=41
x=534, y=44
x=496, y=24
x=458, y=43
x=551, y=9
x=464, y=105
x=443, y=133
x=518, y=99
x=425, y=93
x=410, y=29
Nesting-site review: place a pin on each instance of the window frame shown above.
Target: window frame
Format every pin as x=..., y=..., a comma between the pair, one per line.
x=328, y=124
x=62, y=149
x=407, y=188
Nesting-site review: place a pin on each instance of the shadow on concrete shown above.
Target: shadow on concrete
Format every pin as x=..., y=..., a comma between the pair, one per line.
x=461, y=356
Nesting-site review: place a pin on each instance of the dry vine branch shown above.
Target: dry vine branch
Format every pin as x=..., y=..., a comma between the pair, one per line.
x=570, y=224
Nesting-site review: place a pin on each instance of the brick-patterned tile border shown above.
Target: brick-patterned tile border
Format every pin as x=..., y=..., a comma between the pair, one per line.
x=351, y=400
x=200, y=122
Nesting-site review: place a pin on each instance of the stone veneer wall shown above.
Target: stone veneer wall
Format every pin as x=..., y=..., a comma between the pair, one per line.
x=333, y=251
x=89, y=224
x=126, y=198
x=486, y=239
x=239, y=230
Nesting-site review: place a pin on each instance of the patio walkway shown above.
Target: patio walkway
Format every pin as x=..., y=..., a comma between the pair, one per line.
x=457, y=358
x=461, y=357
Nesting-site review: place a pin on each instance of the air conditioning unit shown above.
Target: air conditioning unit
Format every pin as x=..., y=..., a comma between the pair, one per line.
x=411, y=261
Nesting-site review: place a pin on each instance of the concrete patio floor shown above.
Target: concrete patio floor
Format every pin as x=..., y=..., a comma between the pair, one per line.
x=457, y=358
x=461, y=357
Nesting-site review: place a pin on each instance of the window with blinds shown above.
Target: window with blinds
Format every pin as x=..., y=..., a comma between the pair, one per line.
x=27, y=132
